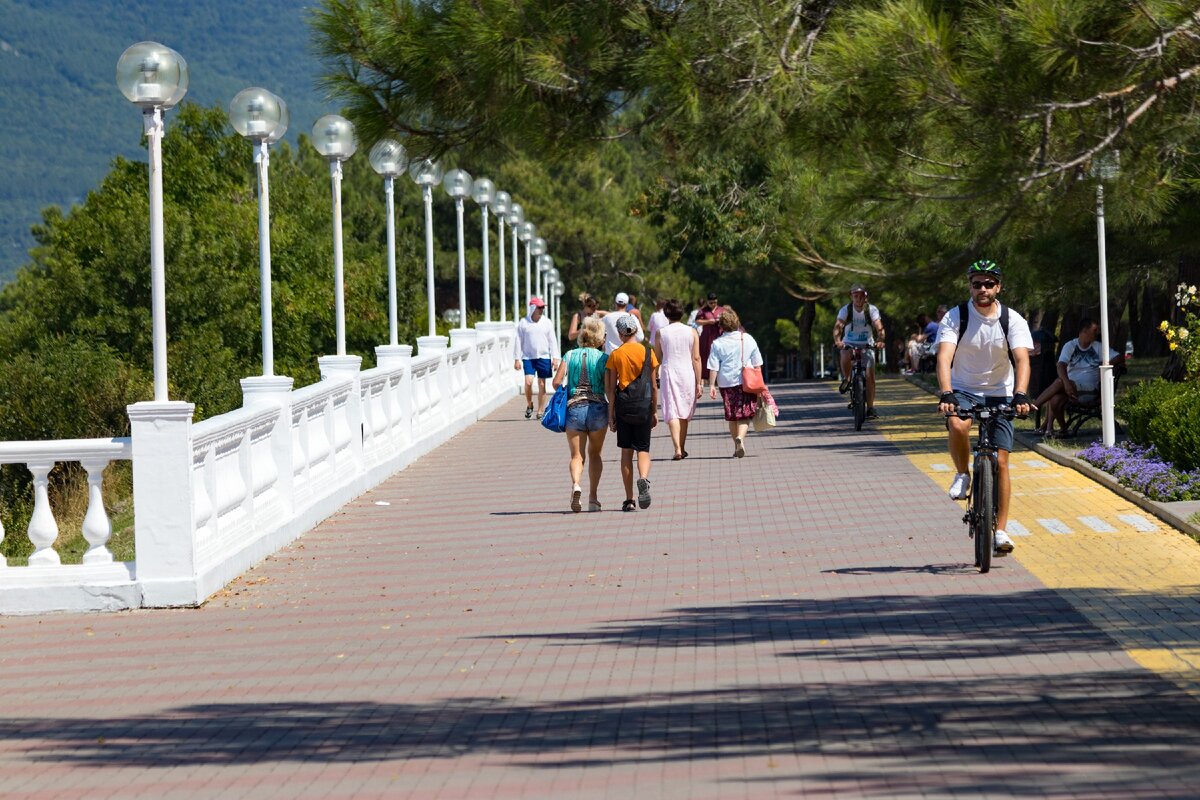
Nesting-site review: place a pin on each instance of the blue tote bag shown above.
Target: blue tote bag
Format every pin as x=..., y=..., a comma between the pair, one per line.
x=555, y=418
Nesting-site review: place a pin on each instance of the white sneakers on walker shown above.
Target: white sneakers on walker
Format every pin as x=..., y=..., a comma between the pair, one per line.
x=958, y=488
x=1003, y=544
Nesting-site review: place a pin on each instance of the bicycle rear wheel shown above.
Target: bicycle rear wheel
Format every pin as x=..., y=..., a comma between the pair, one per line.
x=858, y=396
x=985, y=512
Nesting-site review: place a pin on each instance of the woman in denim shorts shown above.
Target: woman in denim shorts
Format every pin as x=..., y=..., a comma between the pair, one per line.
x=582, y=370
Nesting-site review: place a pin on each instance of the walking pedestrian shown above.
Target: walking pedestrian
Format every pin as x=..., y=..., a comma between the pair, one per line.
x=631, y=385
x=589, y=307
x=535, y=349
x=612, y=339
x=732, y=351
x=678, y=351
x=583, y=371
x=658, y=321
x=706, y=321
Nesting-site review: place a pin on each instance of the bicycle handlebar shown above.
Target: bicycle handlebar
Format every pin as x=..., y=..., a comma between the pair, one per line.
x=984, y=412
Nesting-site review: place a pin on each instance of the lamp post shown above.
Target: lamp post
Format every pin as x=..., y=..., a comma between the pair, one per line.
x=544, y=264
x=458, y=185
x=558, y=289
x=500, y=205
x=483, y=192
x=527, y=235
x=262, y=117
x=388, y=159
x=333, y=136
x=427, y=173
x=155, y=78
x=551, y=279
x=516, y=218
x=1105, y=166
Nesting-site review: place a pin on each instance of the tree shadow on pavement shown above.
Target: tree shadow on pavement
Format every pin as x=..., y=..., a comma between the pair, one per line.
x=974, y=735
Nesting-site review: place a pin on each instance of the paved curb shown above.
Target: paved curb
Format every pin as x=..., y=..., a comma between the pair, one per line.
x=1161, y=510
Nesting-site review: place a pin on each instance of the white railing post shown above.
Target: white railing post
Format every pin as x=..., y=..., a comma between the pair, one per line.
x=43, y=530
x=97, y=528
x=343, y=368
x=277, y=391
x=164, y=522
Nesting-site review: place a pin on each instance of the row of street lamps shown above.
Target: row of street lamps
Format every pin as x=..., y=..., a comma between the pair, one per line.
x=155, y=78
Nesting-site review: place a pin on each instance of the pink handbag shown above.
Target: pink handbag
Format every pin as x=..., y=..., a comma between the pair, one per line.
x=752, y=379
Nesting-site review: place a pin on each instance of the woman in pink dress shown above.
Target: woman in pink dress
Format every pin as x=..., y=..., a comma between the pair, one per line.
x=678, y=349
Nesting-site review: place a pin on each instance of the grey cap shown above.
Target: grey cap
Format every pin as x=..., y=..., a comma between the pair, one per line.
x=858, y=287
x=627, y=325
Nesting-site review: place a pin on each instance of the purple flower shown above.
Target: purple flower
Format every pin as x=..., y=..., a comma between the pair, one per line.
x=1141, y=469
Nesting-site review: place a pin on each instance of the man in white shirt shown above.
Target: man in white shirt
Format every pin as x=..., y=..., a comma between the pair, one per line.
x=857, y=324
x=974, y=369
x=535, y=348
x=658, y=321
x=612, y=339
x=1078, y=376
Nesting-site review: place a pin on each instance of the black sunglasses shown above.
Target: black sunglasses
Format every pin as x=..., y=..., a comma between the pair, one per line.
x=984, y=284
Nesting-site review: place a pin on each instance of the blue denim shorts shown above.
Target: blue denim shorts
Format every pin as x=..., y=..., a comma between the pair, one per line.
x=537, y=367
x=587, y=417
x=1003, y=432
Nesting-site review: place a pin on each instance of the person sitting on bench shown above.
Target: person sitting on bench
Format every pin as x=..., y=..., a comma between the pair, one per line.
x=1078, y=380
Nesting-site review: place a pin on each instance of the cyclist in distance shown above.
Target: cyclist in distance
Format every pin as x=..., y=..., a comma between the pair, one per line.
x=974, y=368
x=859, y=325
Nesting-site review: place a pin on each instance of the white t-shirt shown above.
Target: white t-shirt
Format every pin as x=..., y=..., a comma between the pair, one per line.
x=860, y=325
x=981, y=364
x=730, y=352
x=1083, y=364
x=612, y=340
x=535, y=340
x=658, y=321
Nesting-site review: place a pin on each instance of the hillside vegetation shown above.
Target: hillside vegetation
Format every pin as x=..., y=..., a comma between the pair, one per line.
x=62, y=119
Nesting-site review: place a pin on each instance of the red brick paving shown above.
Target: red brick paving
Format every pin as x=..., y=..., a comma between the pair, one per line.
x=798, y=623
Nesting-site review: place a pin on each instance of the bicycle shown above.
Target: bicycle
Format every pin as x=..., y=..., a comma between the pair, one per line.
x=983, y=499
x=858, y=383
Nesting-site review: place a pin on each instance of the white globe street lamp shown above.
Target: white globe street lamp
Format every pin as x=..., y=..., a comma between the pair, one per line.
x=528, y=232
x=557, y=288
x=427, y=173
x=457, y=184
x=483, y=192
x=1105, y=167
x=262, y=117
x=516, y=219
x=333, y=136
x=154, y=77
x=389, y=160
x=538, y=248
x=500, y=205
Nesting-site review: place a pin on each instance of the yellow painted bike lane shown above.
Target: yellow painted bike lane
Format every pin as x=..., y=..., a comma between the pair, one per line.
x=1127, y=572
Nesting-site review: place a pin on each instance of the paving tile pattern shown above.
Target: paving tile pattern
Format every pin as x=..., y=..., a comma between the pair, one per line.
x=802, y=622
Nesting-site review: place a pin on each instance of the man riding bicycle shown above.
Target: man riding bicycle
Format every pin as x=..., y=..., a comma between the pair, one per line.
x=857, y=324
x=974, y=368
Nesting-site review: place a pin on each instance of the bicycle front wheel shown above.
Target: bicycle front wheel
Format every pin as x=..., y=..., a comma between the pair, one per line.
x=859, y=398
x=985, y=512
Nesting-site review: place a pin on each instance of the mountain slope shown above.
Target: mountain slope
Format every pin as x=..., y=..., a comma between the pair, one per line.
x=62, y=118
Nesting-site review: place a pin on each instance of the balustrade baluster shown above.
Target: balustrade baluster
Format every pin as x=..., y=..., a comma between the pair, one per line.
x=43, y=530
x=3, y=559
x=97, y=528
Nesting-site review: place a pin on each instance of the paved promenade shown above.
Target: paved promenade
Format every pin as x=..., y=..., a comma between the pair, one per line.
x=803, y=622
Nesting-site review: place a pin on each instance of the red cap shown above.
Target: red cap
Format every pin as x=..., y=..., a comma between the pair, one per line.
x=537, y=301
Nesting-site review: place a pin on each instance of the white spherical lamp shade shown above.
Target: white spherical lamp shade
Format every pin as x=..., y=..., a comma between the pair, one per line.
x=425, y=172
x=388, y=158
x=527, y=233
x=333, y=136
x=152, y=75
x=457, y=183
x=483, y=192
x=537, y=247
x=516, y=215
x=501, y=204
x=552, y=275
x=559, y=288
x=259, y=115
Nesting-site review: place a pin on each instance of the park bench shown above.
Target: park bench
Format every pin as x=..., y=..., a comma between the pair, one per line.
x=1076, y=414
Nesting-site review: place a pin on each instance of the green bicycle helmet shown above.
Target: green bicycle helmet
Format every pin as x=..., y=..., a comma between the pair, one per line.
x=984, y=267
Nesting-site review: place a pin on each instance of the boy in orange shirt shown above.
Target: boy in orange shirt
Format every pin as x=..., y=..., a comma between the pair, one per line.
x=631, y=384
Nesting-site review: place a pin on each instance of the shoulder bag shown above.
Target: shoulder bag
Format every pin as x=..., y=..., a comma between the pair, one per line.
x=752, y=380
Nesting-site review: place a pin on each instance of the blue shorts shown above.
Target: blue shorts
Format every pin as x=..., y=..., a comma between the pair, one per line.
x=1003, y=432
x=537, y=366
x=587, y=417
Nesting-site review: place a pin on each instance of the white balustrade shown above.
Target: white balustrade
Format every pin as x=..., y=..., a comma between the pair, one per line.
x=40, y=458
x=218, y=495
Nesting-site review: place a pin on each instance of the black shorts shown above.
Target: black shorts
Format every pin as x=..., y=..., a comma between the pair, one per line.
x=633, y=436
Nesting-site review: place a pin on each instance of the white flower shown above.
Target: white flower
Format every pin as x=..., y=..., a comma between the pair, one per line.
x=1183, y=333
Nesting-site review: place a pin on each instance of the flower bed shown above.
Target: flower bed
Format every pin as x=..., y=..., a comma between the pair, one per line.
x=1141, y=469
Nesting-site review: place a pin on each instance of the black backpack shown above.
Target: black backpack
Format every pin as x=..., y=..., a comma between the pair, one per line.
x=964, y=315
x=635, y=403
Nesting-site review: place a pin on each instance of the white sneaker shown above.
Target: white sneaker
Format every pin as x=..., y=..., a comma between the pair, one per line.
x=958, y=487
x=1003, y=544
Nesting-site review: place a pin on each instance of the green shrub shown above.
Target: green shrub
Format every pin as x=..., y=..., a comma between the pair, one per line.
x=1167, y=416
